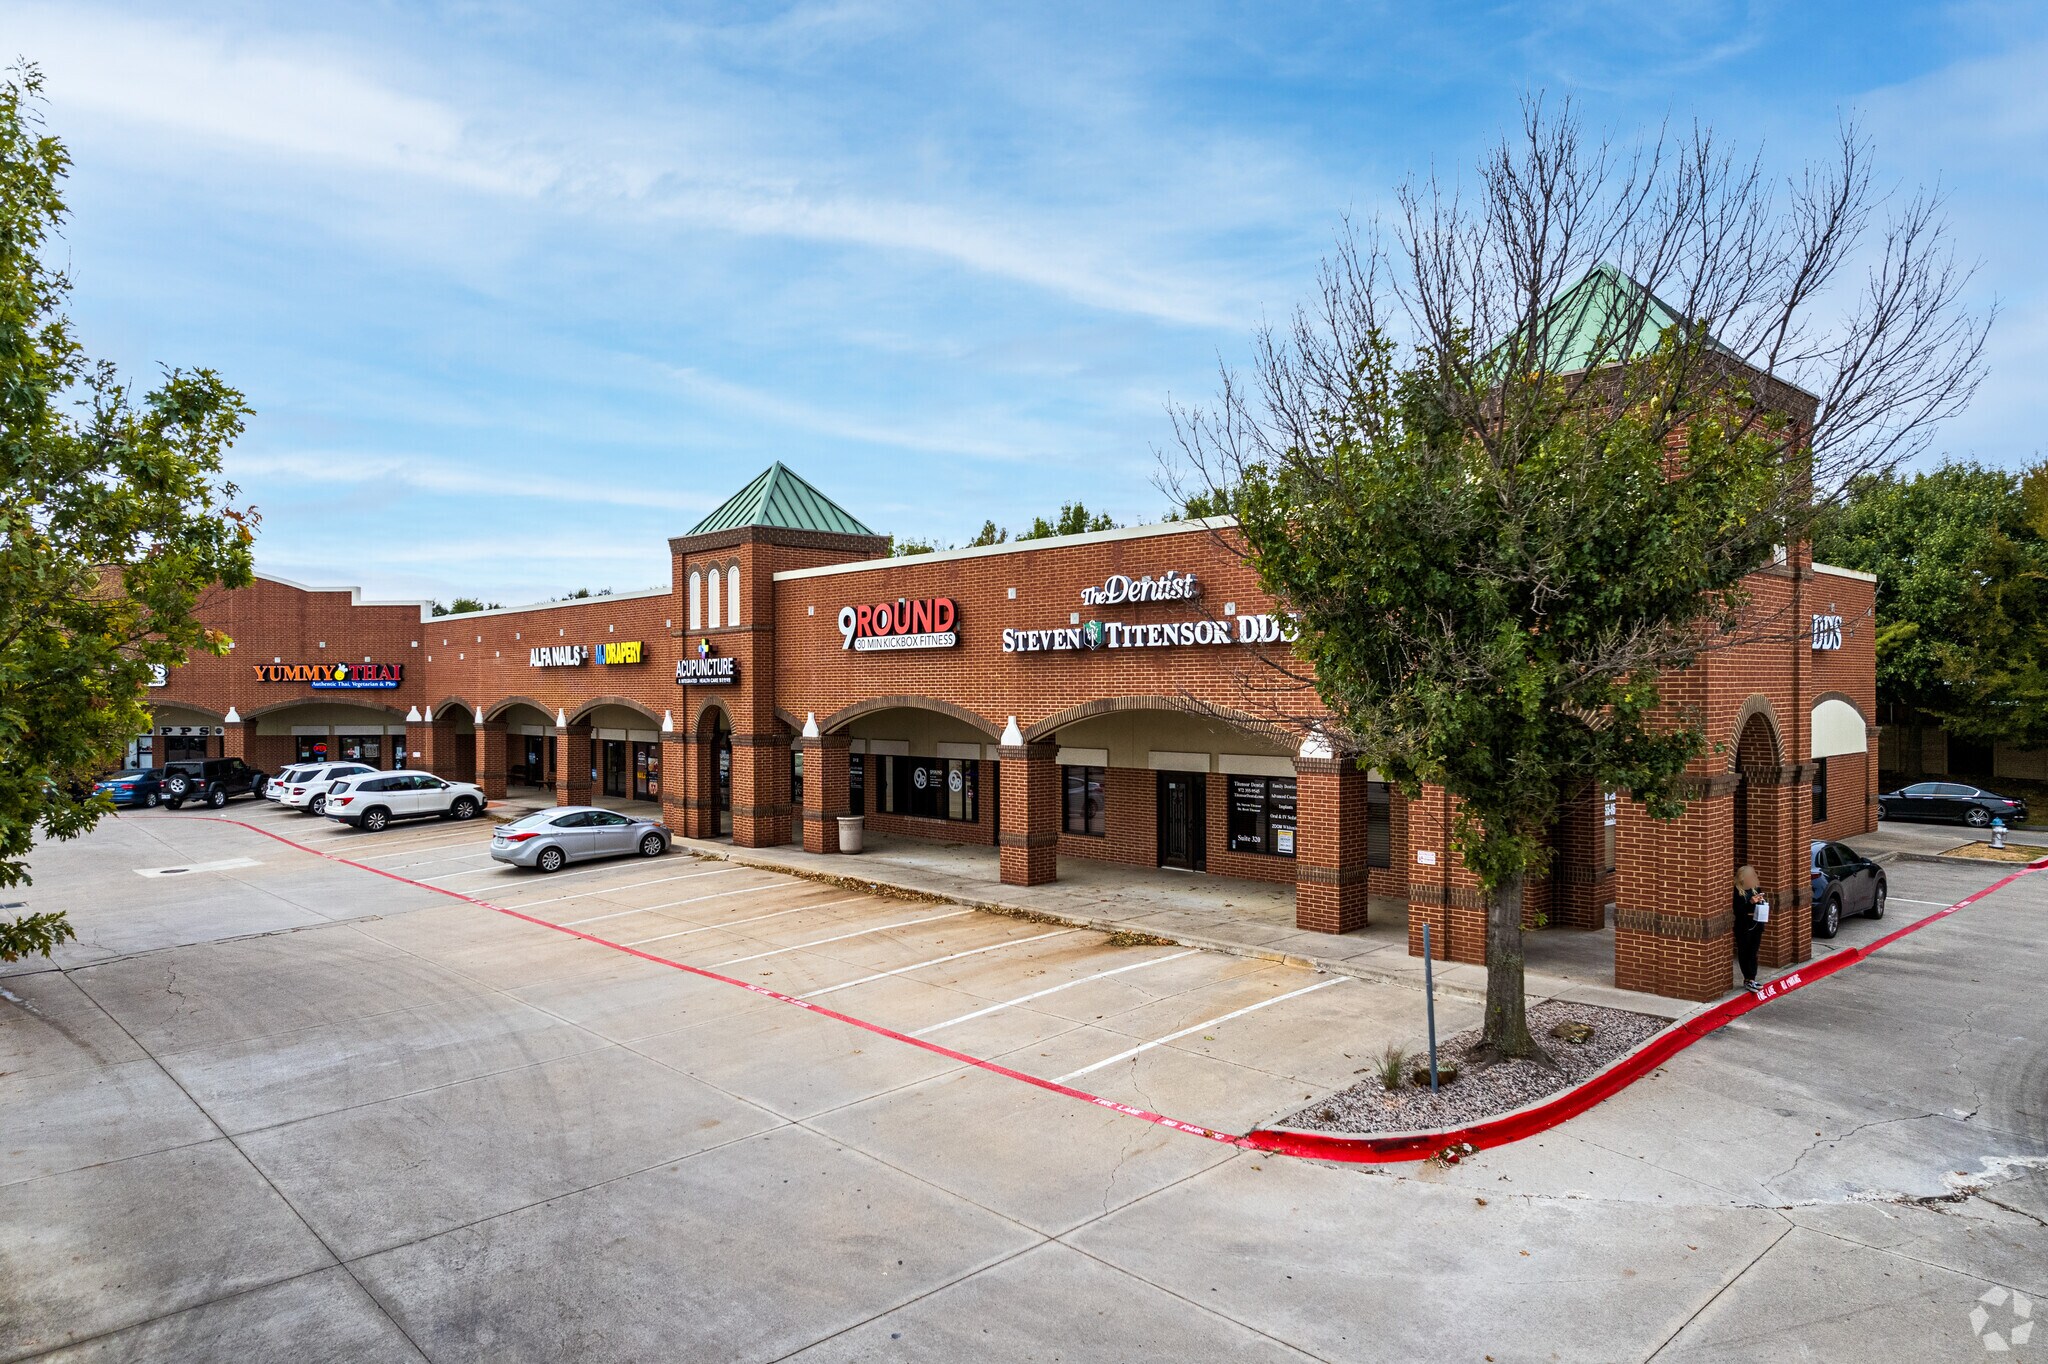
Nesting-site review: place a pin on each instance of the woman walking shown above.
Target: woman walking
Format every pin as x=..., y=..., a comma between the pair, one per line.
x=1752, y=911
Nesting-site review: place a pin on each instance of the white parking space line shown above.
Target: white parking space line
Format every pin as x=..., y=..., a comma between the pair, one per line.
x=419, y=848
x=935, y=961
x=842, y=937
x=1931, y=904
x=1184, y=1032
x=666, y=904
x=735, y=923
x=613, y=890
x=1053, y=990
x=436, y=861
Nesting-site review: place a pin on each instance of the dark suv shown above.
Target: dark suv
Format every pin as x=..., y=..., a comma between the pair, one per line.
x=213, y=780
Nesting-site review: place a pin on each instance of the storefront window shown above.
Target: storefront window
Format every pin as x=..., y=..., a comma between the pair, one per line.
x=933, y=788
x=1379, y=825
x=1084, y=804
x=1262, y=815
x=647, y=771
x=857, y=784
x=1820, y=790
x=361, y=748
x=796, y=777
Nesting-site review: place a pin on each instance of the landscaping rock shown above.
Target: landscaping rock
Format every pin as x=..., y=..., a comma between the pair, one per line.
x=1573, y=1030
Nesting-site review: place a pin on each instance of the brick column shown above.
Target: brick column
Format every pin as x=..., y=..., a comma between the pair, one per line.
x=1673, y=929
x=234, y=740
x=572, y=764
x=1029, y=832
x=675, y=785
x=826, y=792
x=1443, y=894
x=760, y=790
x=490, y=757
x=1330, y=871
x=1780, y=822
x=419, y=738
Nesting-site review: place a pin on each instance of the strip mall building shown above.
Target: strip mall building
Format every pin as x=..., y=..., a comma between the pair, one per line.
x=1077, y=697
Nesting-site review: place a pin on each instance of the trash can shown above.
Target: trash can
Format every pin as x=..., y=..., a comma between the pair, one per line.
x=850, y=827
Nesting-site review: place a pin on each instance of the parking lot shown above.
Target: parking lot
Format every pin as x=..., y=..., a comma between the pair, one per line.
x=281, y=1106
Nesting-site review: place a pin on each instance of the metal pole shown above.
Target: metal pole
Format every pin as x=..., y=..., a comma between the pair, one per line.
x=1429, y=993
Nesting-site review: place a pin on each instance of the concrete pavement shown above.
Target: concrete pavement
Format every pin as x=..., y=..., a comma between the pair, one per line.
x=329, y=1116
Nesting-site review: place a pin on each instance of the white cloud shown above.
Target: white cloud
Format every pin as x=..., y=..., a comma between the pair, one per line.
x=301, y=103
x=429, y=475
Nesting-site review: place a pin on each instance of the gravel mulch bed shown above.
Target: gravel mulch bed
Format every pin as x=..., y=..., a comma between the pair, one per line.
x=1483, y=1093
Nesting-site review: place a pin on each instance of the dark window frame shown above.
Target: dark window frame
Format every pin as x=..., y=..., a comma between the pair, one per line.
x=1077, y=780
x=1262, y=816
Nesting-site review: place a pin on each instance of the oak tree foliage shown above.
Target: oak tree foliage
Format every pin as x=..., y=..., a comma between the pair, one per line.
x=115, y=521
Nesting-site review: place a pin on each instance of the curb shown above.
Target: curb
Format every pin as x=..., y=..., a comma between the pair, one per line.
x=1378, y=1148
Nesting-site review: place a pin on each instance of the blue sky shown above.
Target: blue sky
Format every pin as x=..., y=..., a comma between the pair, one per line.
x=518, y=292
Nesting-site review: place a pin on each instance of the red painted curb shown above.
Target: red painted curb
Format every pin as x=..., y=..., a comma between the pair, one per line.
x=1562, y=1107
x=1405, y=1146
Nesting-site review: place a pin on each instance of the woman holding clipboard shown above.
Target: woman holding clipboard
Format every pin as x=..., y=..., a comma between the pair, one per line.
x=1752, y=912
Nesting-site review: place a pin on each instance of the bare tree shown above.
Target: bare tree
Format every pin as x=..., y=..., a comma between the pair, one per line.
x=1591, y=366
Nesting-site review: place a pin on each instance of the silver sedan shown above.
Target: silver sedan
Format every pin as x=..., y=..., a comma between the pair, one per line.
x=551, y=839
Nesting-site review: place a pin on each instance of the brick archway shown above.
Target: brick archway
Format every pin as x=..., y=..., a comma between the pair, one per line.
x=839, y=719
x=1045, y=729
x=577, y=716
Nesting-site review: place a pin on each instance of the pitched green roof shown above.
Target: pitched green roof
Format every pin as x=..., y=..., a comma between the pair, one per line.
x=777, y=497
x=1604, y=319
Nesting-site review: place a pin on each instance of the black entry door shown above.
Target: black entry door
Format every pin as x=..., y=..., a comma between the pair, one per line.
x=614, y=767
x=1180, y=820
x=724, y=760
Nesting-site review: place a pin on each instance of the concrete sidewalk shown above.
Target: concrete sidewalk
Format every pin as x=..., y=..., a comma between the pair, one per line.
x=1220, y=913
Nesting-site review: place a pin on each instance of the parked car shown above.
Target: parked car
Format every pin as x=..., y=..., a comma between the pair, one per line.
x=216, y=781
x=306, y=788
x=1948, y=801
x=553, y=838
x=376, y=800
x=132, y=786
x=1845, y=882
x=274, y=789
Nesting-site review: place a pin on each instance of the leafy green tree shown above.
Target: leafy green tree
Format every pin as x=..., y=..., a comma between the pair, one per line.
x=463, y=605
x=989, y=534
x=1502, y=510
x=900, y=549
x=1201, y=505
x=1074, y=519
x=1924, y=536
x=115, y=520
x=1996, y=671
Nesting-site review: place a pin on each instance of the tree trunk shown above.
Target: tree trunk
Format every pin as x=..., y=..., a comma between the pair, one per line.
x=1506, y=1034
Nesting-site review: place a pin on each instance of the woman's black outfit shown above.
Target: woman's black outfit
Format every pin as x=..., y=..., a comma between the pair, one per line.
x=1749, y=934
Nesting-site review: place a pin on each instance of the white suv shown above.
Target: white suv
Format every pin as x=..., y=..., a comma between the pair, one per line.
x=377, y=799
x=306, y=787
x=274, y=789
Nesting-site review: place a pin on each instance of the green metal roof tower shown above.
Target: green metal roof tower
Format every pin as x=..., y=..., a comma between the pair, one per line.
x=778, y=497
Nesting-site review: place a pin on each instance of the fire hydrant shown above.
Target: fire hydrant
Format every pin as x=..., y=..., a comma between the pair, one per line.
x=1998, y=833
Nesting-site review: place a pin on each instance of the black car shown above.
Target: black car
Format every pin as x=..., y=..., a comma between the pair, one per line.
x=1844, y=882
x=1948, y=802
x=213, y=780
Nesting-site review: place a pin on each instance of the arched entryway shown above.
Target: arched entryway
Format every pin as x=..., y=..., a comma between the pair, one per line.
x=530, y=749
x=1757, y=763
x=625, y=749
x=714, y=776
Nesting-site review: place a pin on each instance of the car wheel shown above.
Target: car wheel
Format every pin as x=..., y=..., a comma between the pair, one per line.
x=174, y=803
x=318, y=805
x=178, y=784
x=1829, y=921
x=1877, y=898
x=550, y=859
x=375, y=820
x=217, y=797
x=1977, y=817
x=259, y=786
x=464, y=807
x=650, y=845
x=152, y=800
x=1882, y=813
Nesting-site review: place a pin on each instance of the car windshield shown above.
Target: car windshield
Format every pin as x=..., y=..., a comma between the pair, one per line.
x=125, y=774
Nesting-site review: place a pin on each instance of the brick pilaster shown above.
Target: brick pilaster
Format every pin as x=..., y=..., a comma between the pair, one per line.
x=573, y=756
x=760, y=790
x=1780, y=816
x=234, y=741
x=826, y=792
x=675, y=785
x=1029, y=836
x=1330, y=871
x=490, y=757
x=1444, y=894
x=1673, y=931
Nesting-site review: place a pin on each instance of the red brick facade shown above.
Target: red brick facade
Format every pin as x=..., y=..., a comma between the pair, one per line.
x=1156, y=710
